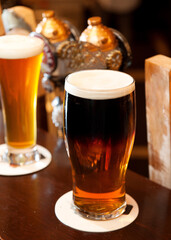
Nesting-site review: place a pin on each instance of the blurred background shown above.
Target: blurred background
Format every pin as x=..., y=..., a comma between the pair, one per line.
x=145, y=24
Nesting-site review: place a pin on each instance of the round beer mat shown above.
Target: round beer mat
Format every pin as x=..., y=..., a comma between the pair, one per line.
x=66, y=213
x=7, y=170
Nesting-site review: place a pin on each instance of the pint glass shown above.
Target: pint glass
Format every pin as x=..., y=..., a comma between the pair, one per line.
x=99, y=130
x=20, y=63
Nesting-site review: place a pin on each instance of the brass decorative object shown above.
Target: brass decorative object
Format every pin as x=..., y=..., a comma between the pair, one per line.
x=99, y=35
x=67, y=51
x=52, y=28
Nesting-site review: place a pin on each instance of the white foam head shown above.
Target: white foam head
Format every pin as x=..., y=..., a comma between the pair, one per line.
x=20, y=46
x=99, y=84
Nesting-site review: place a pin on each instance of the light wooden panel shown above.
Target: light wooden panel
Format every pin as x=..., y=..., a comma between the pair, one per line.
x=158, y=104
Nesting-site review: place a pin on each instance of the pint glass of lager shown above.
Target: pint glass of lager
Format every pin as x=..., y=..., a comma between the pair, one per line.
x=20, y=63
x=99, y=130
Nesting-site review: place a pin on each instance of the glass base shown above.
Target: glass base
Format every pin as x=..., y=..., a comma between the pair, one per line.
x=21, y=157
x=101, y=216
x=66, y=214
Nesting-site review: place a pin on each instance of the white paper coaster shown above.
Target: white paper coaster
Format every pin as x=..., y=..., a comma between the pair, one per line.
x=7, y=170
x=65, y=212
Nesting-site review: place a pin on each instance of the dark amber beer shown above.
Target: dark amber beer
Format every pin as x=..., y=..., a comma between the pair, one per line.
x=99, y=130
x=20, y=63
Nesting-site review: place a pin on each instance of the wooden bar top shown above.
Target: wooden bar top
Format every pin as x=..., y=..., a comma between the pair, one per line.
x=27, y=203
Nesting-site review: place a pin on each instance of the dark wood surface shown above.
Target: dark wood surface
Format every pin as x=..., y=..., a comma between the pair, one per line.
x=27, y=203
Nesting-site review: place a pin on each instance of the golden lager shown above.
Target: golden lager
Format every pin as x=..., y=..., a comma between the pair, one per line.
x=99, y=128
x=20, y=62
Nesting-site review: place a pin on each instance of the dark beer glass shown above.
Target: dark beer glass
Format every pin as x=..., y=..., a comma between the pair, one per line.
x=99, y=131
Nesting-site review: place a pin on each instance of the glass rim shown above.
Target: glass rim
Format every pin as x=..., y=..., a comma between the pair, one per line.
x=20, y=46
x=100, y=93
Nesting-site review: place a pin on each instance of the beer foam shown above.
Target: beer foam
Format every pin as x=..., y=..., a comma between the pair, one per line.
x=20, y=46
x=99, y=84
